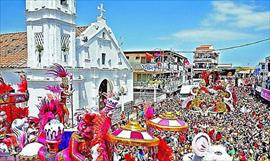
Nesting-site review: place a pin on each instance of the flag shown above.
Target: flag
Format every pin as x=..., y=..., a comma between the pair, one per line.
x=157, y=54
x=186, y=62
x=148, y=56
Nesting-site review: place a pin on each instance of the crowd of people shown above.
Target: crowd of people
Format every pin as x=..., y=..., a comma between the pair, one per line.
x=245, y=132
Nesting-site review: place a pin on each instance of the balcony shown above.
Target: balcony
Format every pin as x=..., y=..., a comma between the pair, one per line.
x=165, y=86
x=199, y=69
x=209, y=60
x=154, y=67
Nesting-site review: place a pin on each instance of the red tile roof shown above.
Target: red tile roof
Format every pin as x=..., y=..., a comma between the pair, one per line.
x=13, y=49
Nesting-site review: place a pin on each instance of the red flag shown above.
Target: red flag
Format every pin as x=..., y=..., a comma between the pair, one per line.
x=149, y=56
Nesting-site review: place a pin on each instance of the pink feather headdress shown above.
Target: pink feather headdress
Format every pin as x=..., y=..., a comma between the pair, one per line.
x=54, y=89
x=58, y=71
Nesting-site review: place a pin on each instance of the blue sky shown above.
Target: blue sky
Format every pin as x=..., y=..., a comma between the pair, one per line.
x=170, y=24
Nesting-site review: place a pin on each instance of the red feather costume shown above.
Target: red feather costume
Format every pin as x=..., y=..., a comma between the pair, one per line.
x=164, y=151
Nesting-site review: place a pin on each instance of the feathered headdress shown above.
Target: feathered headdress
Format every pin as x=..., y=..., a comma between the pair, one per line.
x=58, y=71
x=54, y=89
x=23, y=85
x=49, y=109
x=4, y=88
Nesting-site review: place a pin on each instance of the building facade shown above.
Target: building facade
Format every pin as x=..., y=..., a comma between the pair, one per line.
x=262, y=73
x=91, y=53
x=205, y=58
x=163, y=68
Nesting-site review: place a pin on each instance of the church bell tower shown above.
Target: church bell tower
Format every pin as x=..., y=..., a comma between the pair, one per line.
x=50, y=32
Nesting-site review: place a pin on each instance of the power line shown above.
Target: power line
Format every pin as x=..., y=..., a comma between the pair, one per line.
x=243, y=45
x=231, y=47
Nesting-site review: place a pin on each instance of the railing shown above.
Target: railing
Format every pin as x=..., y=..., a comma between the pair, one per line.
x=163, y=67
x=162, y=85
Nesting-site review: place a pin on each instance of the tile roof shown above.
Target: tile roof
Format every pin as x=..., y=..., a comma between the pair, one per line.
x=13, y=49
x=80, y=29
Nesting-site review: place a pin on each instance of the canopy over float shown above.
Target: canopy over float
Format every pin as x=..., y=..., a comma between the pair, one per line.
x=167, y=122
x=132, y=134
x=132, y=138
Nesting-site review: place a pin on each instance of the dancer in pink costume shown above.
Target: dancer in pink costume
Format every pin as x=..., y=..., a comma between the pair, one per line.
x=149, y=112
x=65, y=89
x=88, y=143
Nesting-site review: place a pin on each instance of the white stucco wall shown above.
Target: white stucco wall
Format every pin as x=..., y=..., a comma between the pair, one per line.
x=87, y=73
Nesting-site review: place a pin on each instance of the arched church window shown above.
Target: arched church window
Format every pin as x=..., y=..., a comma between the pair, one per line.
x=38, y=37
x=103, y=35
x=65, y=42
x=103, y=58
x=39, y=57
x=39, y=41
x=88, y=55
x=65, y=57
x=119, y=59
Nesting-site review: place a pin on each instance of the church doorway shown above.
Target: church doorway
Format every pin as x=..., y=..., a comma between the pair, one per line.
x=104, y=87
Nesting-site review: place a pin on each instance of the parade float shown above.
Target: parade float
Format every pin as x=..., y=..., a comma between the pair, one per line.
x=203, y=150
x=50, y=136
x=168, y=128
x=132, y=141
x=13, y=113
x=166, y=122
x=13, y=100
x=211, y=96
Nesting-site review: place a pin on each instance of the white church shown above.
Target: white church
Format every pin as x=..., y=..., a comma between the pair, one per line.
x=91, y=53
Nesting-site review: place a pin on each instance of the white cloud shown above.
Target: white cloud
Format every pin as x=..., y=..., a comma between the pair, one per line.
x=208, y=35
x=229, y=14
x=228, y=21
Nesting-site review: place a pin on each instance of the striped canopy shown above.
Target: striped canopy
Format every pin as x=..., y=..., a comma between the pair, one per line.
x=132, y=134
x=167, y=122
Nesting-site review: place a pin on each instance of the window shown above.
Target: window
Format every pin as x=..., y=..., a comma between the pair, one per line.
x=39, y=41
x=143, y=60
x=138, y=77
x=65, y=56
x=65, y=42
x=103, y=58
x=119, y=58
x=63, y=2
x=39, y=57
x=39, y=45
x=103, y=35
x=127, y=57
x=88, y=55
x=137, y=58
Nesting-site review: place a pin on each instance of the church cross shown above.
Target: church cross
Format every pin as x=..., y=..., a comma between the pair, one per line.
x=101, y=10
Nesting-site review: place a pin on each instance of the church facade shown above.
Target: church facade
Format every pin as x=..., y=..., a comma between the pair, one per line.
x=91, y=53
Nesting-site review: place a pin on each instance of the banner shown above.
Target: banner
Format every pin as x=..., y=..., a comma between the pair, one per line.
x=265, y=93
x=149, y=67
